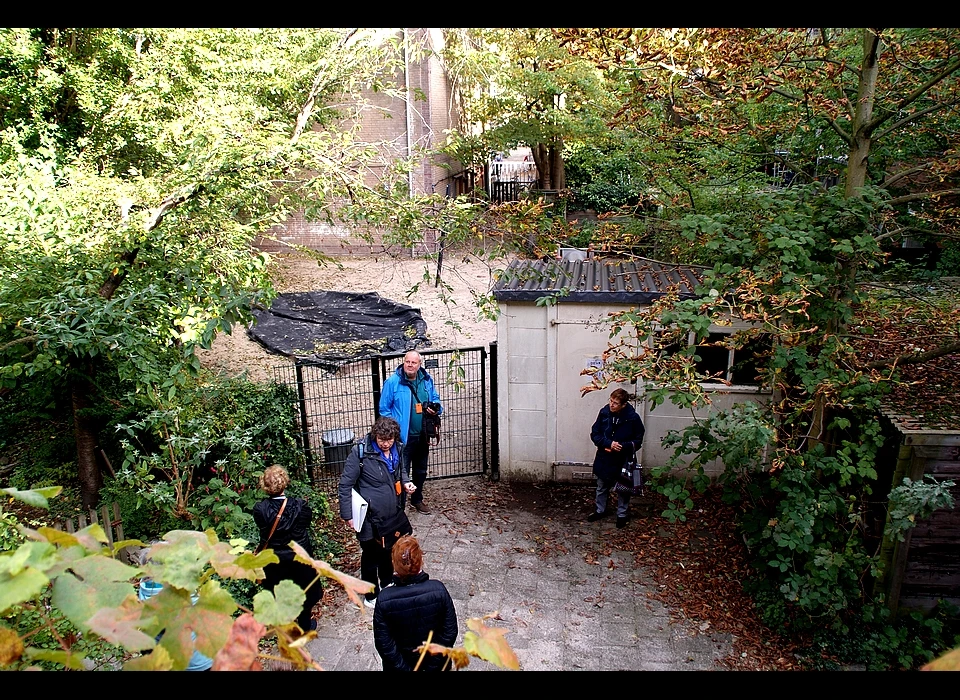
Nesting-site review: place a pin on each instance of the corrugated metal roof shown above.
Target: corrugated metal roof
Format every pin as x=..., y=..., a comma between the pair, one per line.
x=634, y=281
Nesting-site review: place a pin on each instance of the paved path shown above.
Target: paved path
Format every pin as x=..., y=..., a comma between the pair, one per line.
x=569, y=599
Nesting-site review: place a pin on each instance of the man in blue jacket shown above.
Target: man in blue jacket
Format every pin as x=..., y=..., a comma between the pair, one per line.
x=408, y=395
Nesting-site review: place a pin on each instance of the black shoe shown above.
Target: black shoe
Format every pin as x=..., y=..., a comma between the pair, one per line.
x=621, y=522
x=594, y=517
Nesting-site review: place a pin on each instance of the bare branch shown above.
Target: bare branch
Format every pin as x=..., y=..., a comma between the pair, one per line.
x=19, y=341
x=921, y=195
x=171, y=202
x=916, y=115
x=840, y=131
x=307, y=109
x=914, y=96
x=914, y=358
x=893, y=179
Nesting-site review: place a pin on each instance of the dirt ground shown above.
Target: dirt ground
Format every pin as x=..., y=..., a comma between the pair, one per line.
x=450, y=313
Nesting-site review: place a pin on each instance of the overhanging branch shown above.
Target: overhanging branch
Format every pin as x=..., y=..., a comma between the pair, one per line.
x=915, y=95
x=921, y=195
x=915, y=358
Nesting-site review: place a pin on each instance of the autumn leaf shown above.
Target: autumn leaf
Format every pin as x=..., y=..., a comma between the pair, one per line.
x=187, y=626
x=157, y=660
x=11, y=647
x=245, y=565
x=91, y=538
x=292, y=646
x=120, y=625
x=240, y=653
x=488, y=643
x=458, y=656
x=948, y=662
x=352, y=585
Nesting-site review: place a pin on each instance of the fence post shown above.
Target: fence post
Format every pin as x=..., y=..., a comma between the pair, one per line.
x=494, y=416
x=375, y=376
x=483, y=407
x=304, y=427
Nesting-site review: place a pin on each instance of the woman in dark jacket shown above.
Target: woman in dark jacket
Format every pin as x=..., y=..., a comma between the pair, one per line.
x=374, y=469
x=618, y=434
x=409, y=610
x=293, y=525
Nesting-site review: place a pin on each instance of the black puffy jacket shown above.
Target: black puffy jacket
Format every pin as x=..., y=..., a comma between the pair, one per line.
x=294, y=525
x=626, y=427
x=406, y=612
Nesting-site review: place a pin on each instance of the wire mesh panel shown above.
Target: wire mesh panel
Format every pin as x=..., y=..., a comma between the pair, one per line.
x=336, y=409
x=337, y=406
x=459, y=377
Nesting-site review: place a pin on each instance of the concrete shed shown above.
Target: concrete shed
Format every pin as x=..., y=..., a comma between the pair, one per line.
x=542, y=349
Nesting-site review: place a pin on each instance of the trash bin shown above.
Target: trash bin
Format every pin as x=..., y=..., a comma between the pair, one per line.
x=336, y=448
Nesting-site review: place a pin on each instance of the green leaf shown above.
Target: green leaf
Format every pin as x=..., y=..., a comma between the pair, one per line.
x=92, y=583
x=34, y=497
x=281, y=607
x=26, y=584
x=59, y=656
x=180, y=559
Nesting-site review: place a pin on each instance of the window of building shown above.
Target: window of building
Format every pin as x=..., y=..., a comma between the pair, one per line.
x=722, y=364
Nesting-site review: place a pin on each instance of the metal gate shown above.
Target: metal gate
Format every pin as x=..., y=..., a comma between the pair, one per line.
x=338, y=405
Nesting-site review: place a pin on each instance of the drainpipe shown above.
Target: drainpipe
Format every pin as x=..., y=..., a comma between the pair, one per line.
x=407, y=103
x=406, y=84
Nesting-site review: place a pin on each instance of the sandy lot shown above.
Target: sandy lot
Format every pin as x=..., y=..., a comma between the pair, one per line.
x=451, y=314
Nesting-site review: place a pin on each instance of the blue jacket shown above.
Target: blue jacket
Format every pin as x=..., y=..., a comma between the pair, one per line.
x=396, y=394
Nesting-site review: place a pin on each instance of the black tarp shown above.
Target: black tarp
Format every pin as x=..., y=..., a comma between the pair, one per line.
x=329, y=327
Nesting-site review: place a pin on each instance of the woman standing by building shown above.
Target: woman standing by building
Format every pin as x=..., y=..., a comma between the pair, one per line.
x=618, y=434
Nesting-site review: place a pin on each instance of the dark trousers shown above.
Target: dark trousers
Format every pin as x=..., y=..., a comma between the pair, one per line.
x=300, y=574
x=415, y=454
x=375, y=562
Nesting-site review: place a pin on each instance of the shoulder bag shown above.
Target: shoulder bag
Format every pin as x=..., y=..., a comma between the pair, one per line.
x=263, y=545
x=630, y=479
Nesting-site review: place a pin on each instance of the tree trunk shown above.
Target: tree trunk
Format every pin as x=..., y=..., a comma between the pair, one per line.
x=85, y=431
x=856, y=178
x=862, y=128
x=556, y=167
x=541, y=158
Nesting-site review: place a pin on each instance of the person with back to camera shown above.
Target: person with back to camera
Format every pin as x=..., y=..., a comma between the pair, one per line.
x=409, y=609
x=282, y=519
x=407, y=396
x=618, y=434
x=375, y=469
